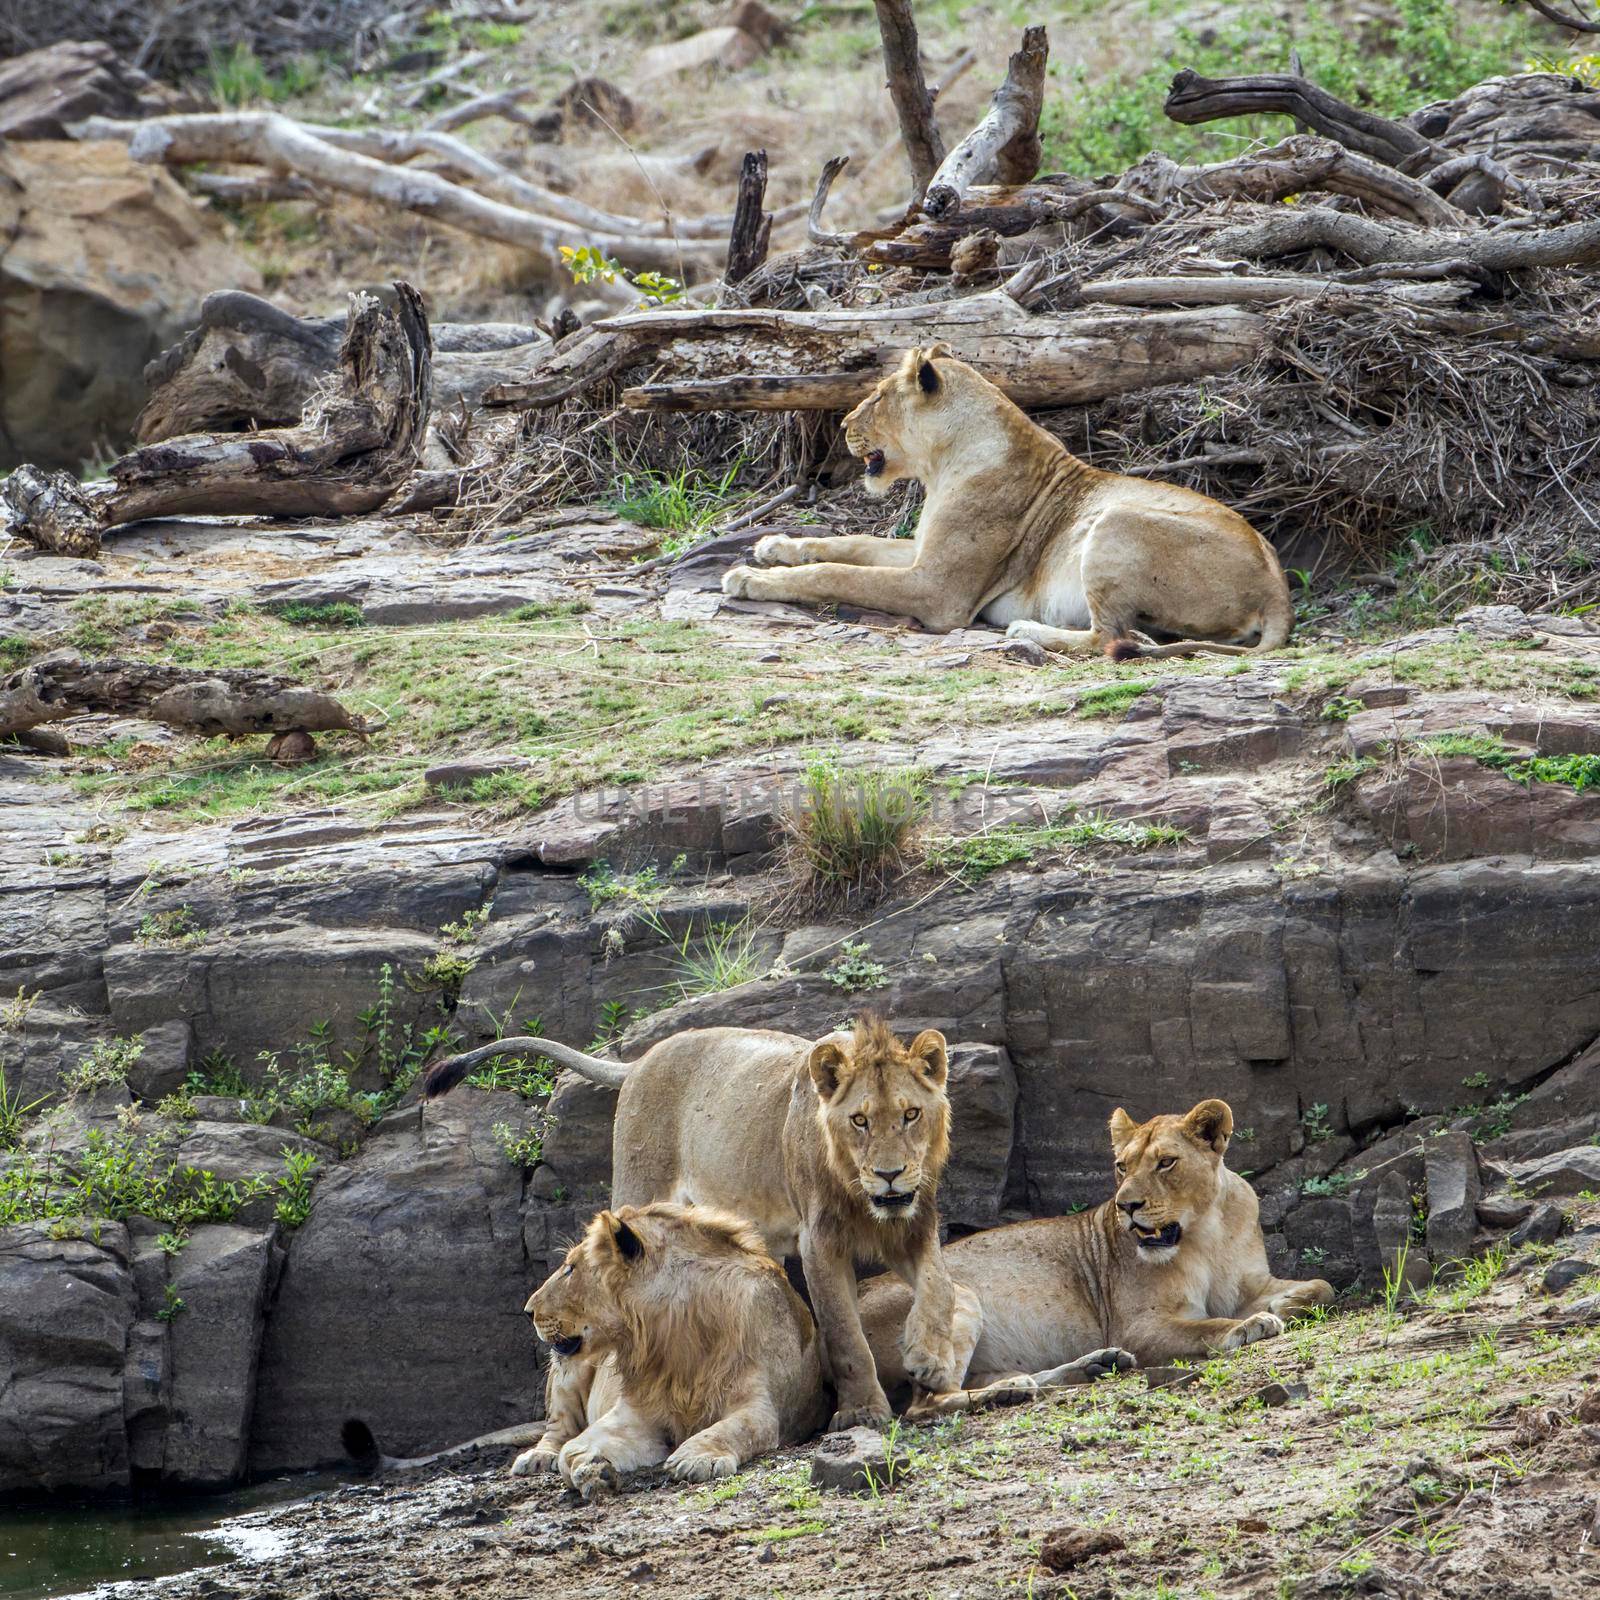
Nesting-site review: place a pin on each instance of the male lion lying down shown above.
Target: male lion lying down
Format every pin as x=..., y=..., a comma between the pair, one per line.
x=696, y=1351
x=833, y=1150
x=1016, y=530
x=1172, y=1265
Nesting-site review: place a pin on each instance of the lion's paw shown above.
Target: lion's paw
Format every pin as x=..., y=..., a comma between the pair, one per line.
x=1022, y=628
x=1263, y=1325
x=588, y=1472
x=931, y=1364
x=541, y=1458
x=697, y=1466
x=777, y=550
x=1102, y=1363
x=874, y=1414
x=736, y=582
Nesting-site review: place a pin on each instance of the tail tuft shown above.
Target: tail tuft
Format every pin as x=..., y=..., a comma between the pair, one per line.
x=444, y=1075
x=1123, y=650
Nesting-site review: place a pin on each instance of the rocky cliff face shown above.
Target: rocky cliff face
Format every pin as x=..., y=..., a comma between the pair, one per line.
x=1366, y=920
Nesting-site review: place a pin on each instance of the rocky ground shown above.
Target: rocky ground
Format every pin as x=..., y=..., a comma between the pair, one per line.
x=1348, y=888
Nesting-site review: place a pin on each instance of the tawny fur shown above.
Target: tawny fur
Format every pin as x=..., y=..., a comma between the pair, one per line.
x=1016, y=530
x=692, y=1342
x=764, y=1124
x=1061, y=1291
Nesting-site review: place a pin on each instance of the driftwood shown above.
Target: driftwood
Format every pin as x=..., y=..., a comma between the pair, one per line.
x=752, y=228
x=828, y=360
x=207, y=700
x=913, y=105
x=340, y=159
x=248, y=364
x=1157, y=185
x=590, y=102
x=356, y=444
x=1004, y=147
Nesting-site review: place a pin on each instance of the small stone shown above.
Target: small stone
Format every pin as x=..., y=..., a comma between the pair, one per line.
x=1027, y=650
x=1589, y=1407
x=1496, y=622
x=642, y=1573
x=463, y=774
x=1563, y=1274
x=1453, y=1185
x=291, y=749
x=1169, y=1377
x=1067, y=1548
x=1502, y=1211
x=768, y=702
x=1280, y=1394
x=768, y=1556
x=856, y=1459
x=1543, y=1226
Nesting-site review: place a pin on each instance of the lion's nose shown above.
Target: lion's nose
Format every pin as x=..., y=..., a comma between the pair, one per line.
x=1130, y=1206
x=888, y=1177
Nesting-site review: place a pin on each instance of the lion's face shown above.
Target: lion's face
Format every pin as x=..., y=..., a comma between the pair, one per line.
x=894, y=429
x=1167, y=1174
x=629, y=1266
x=885, y=1115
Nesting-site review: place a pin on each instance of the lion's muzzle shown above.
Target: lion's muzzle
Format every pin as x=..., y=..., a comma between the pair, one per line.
x=569, y=1345
x=875, y=463
x=1163, y=1238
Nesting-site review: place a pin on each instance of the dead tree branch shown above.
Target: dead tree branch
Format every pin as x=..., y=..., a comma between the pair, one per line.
x=1564, y=19
x=913, y=105
x=752, y=228
x=232, y=701
x=1004, y=147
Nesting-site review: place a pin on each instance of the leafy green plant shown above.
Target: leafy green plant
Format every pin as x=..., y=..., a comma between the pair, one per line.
x=295, y=1184
x=1341, y=707
x=14, y=1013
x=174, y=1304
x=1334, y=1183
x=466, y=931
x=1315, y=1122
x=108, y=1062
x=853, y=969
x=850, y=835
x=175, y=929
x=525, y=1149
x=589, y=264
x=642, y=888
x=685, y=505
x=14, y=1111
x=171, y=1243
x=721, y=956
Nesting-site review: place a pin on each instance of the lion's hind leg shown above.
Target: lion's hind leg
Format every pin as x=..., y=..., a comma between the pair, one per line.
x=1021, y=1387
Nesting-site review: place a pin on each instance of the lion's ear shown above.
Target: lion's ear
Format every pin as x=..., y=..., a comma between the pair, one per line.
x=1123, y=1128
x=827, y=1061
x=931, y=1058
x=928, y=379
x=629, y=1245
x=1211, y=1123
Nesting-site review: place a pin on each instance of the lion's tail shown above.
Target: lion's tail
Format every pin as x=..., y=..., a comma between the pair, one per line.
x=1277, y=623
x=444, y=1075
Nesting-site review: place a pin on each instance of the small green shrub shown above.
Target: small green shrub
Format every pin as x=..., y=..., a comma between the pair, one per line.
x=295, y=1184
x=174, y=1305
x=174, y=930
x=853, y=969
x=686, y=505
x=333, y=614
x=108, y=1062
x=850, y=835
x=1111, y=699
x=14, y=1111
x=525, y=1149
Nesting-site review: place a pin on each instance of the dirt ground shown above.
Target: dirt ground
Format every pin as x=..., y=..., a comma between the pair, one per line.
x=1444, y=1447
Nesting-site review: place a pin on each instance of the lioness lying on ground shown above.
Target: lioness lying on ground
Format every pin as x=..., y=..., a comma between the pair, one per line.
x=1016, y=530
x=1173, y=1265
x=688, y=1335
x=832, y=1150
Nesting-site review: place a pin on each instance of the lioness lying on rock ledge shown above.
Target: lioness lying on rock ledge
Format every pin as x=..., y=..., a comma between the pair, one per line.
x=833, y=1150
x=1173, y=1265
x=1018, y=531
x=692, y=1349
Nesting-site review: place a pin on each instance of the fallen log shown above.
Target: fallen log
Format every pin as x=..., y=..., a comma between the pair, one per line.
x=1004, y=147
x=828, y=360
x=248, y=364
x=913, y=105
x=231, y=701
x=357, y=442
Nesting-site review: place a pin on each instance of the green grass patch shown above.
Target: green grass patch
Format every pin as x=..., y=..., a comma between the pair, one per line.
x=850, y=834
x=685, y=504
x=334, y=614
x=1111, y=699
x=979, y=854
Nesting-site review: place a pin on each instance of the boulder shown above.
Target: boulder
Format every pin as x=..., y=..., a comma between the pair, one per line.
x=983, y=1104
x=1565, y=1172
x=1454, y=1186
x=105, y=264
x=66, y=1307
x=398, y=1317
x=1542, y=1225
x=856, y=1459
x=577, y=1145
x=221, y=1277
x=45, y=90
x=723, y=49
x=163, y=1064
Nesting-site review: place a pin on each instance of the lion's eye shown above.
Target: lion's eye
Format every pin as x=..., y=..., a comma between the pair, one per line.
x=1121, y=1167
x=858, y=1121
x=912, y=1113
x=568, y=1272
x=1167, y=1165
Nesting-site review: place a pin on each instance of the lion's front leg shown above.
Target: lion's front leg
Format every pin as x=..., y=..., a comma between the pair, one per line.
x=1158, y=1339
x=748, y=1431
x=929, y=1343
x=623, y=1440
x=851, y=549
x=567, y=1389
x=1289, y=1299
x=934, y=599
x=830, y=1276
